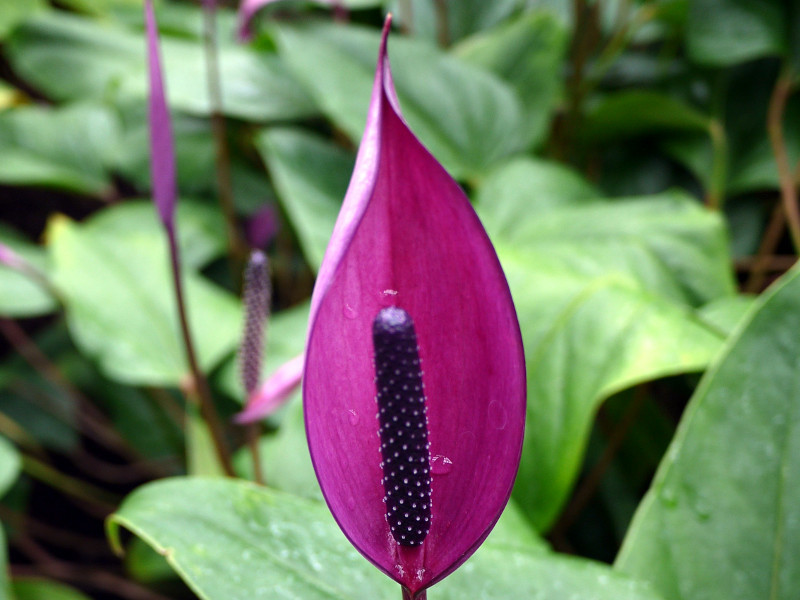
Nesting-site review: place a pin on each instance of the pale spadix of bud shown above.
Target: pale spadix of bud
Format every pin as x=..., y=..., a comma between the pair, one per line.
x=256, y=300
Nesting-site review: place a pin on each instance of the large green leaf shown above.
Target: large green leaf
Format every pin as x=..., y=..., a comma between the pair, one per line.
x=668, y=242
x=234, y=540
x=30, y=588
x=528, y=53
x=120, y=304
x=20, y=295
x=603, y=291
x=586, y=338
x=13, y=12
x=466, y=116
x=311, y=177
x=725, y=32
x=635, y=112
x=69, y=57
x=464, y=17
x=66, y=147
x=722, y=518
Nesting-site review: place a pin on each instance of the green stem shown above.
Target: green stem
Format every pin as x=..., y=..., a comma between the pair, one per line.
x=199, y=382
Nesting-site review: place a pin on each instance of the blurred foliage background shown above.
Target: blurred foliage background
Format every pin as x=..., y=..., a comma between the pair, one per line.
x=634, y=162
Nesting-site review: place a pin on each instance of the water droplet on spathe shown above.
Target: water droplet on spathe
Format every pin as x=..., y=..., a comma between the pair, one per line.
x=352, y=416
x=349, y=311
x=441, y=465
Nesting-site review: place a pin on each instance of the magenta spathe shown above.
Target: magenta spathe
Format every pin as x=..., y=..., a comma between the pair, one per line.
x=407, y=236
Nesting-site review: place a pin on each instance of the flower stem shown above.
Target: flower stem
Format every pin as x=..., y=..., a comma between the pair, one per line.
x=719, y=144
x=236, y=246
x=421, y=595
x=775, y=113
x=199, y=382
x=442, y=23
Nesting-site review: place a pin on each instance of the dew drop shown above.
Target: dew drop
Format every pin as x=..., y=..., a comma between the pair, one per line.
x=387, y=297
x=352, y=416
x=349, y=311
x=441, y=465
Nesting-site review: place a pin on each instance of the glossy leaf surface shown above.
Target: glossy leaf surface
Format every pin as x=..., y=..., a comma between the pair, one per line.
x=721, y=518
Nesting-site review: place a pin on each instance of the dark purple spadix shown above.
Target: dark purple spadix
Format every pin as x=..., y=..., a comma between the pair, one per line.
x=400, y=395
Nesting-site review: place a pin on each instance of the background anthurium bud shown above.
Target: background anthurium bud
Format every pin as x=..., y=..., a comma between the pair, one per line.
x=256, y=310
x=407, y=237
x=162, y=152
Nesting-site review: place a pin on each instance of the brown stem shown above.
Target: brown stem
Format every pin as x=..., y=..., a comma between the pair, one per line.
x=253, y=435
x=199, y=382
x=719, y=145
x=406, y=16
x=92, y=420
x=236, y=247
x=54, y=535
x=442, y=23
x=775, y=113
x=769, y=242
x=98, y=501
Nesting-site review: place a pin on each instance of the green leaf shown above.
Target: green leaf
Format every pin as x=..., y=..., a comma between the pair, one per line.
x=311, y=176
x=5, y=584
x=722, y=518
x=466, y=116
x=243, y=542
x=636, y=112
x=65, y=147
x=121, y=309
x=464, y=17
x=603, y=290
x=201, y=232
x=501, y=574
x=21, y=296
x=528, y=53
x=30, y=588
x=668, y=242
x=70, y=57
x=725, y=32
x=725, y=314
x=528, y=186
x=13, y=12
x=586, y=338
x=10, y=464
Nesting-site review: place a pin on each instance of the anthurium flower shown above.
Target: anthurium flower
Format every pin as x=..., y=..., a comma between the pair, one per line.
x=414, y=380
x=162, y=150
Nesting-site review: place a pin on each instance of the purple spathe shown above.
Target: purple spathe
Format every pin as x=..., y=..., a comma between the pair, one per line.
x=407, y=236
x=162, y=152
